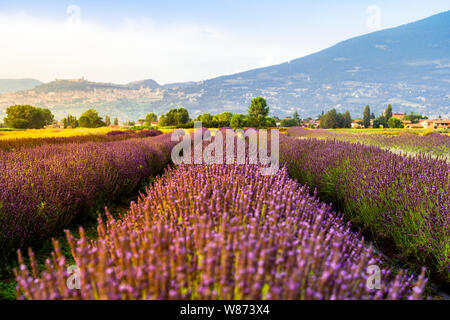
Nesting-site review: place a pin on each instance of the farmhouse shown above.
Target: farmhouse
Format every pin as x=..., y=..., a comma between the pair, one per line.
x=357, y=123
x=442, y=124
x=399, y=115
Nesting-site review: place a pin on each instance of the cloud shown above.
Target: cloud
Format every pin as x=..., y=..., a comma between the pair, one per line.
x=131, y=50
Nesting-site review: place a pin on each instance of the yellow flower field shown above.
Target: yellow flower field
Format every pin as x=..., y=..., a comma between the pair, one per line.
x=52, y=133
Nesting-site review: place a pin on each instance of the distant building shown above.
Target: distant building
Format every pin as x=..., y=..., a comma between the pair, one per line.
x=442, y=124
x=406, y=122
x=413, y=125
x=154, y=124
x=357, y=123
x=56, y=125
x=399, y=115
x=426, y=123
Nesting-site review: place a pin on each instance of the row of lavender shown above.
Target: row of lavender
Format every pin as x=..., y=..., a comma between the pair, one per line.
x=220, y=232
x=432, y=143
x=404, y=199
x=115, y=135
x=43, y=189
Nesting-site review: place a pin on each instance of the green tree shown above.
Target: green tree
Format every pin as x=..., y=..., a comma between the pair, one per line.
x=288, y=123
x=224, y=117
x=257, y=111
x=388, y=113
x=91, y=119
x=380, y=122
x=70, y=122
x=296, y=117
x=27, y=117
x=394, y=123
x=270, y=122
x=149, y=118
x=107, y=121
x=366, y=117
x=237, y=121
x=329, y=120
x=333, y=119
x=414, y=118
x=174, y=117
x=205, y=118
x=347, y=119
x=116, y=121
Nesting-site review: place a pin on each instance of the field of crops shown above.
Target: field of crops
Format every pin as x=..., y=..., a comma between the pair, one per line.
x=226, y=231
x=403, y=199
x=434, y=142
x=43, y=188
x=221, y=232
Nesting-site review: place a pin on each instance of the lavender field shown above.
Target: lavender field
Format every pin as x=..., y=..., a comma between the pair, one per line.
x=332, y=212
x=221, y=232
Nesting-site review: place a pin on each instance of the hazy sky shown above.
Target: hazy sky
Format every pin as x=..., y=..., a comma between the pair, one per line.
x=171, y=41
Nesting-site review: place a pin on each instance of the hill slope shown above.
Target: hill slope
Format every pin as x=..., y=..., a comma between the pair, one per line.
x=408, y=66
x=13, y=85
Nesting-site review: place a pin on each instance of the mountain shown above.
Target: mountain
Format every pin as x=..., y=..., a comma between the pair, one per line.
x=75, y=85
x=149, y=83
x=407, y=66
x=13, y=85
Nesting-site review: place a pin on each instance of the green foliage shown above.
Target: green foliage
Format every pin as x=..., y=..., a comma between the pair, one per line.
x=380, y=122
x=205, y=118
x=116, y=121
x=174, y=117
x=289, y=123
x=414, y=118
x=347, y=120
x=224, y=117
x=257, y=112
x=366, y=117
x=332, y=119
x=91, y=119
x=388, y=112
x=394, y=123
x=149, y=118
x=27, y=117
x=237, y=121
x=107, y=120
x=70, y=122
x=270, y=122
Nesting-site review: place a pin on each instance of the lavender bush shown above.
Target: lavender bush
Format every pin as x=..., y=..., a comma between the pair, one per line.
x=42, y=189
x=220, y=232
x=404, y=199
x=115, y=135
x=432, y=143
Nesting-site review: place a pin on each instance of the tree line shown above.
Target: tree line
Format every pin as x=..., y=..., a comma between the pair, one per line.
x=257, y=116
x=29, y=117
